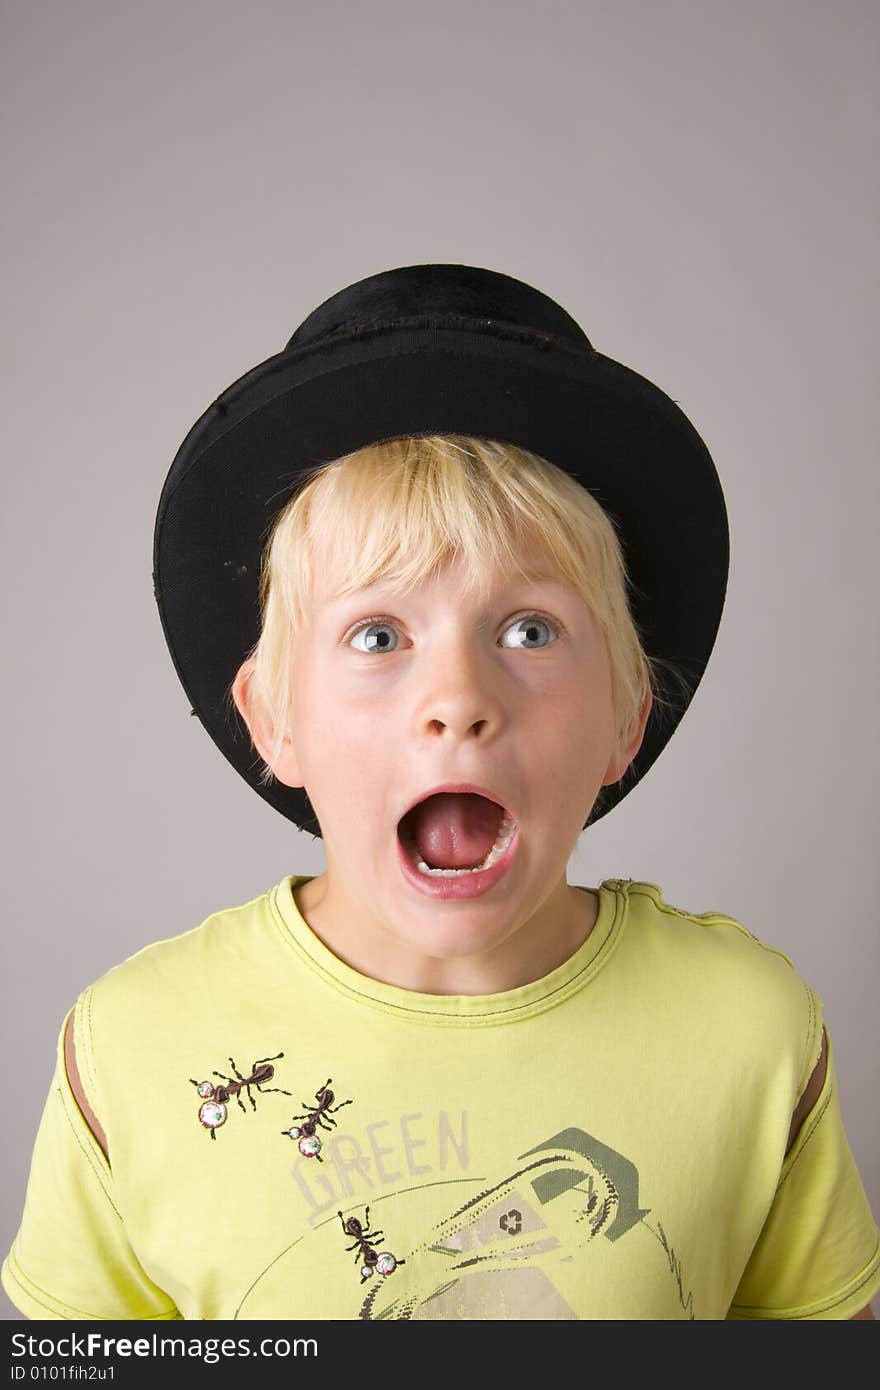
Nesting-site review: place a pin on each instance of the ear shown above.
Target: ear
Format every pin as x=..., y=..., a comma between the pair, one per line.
x=627, y=749
x=261, y=728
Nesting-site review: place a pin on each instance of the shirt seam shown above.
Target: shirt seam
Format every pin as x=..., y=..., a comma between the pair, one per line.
x=808, y=1040
x=809, y=1135
x=707, y=919
x=832, y=1301
x=48, y=1300
x=90, y=1158
x=429, y=1016
x=86, y=1035
x=103, y=1168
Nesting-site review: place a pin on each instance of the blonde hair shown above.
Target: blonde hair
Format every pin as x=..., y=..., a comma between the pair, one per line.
x=402, y=508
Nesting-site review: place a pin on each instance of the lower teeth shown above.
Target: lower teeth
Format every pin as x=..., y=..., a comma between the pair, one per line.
x=502, y=842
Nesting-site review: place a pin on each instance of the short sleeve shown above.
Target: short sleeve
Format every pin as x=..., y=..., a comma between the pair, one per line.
x=71, y=1258
x=818, y=1254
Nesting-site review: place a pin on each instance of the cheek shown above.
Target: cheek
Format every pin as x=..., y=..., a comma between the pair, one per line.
x=345, y=766
x=574, y=735
x=341, y=722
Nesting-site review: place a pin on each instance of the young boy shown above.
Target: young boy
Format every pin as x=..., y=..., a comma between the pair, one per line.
x=436, y=1081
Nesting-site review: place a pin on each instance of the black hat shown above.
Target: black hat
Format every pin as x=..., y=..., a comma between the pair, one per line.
x=419, y=350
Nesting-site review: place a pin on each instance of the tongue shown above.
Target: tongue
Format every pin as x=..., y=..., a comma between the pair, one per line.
x=454, y=830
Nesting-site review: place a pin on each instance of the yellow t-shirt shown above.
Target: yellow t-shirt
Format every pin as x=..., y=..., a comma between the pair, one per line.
x=605, y=1142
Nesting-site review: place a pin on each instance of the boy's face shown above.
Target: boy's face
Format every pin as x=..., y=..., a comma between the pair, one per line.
x=451, y=694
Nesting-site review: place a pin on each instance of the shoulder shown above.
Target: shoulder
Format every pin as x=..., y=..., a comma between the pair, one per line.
x=715, y=938
x=170, y=963
x=169, y=989
x=722, y=969
x=135, y=1019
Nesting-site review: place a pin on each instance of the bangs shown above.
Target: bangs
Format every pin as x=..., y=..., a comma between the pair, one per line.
x=400, y=511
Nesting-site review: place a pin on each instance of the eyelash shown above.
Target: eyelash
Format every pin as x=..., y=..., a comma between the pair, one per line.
x=379, y=618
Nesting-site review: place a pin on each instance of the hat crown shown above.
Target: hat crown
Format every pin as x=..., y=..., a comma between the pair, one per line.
x=440, y=292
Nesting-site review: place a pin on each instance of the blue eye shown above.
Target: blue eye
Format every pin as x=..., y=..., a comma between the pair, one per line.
x=527, y=628
x=383, y=645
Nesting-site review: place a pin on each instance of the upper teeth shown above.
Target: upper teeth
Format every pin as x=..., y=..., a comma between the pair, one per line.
x=502, y=841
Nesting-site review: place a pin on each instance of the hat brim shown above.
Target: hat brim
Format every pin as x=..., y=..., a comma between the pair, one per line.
x=613, y=430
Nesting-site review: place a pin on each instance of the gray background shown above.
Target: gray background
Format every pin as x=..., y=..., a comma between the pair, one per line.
x=183, y=183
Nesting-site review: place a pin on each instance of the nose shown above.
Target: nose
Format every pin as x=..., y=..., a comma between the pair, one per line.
x=458, y=692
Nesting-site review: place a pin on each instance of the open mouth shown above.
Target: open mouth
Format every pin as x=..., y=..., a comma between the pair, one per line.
x=451, y=835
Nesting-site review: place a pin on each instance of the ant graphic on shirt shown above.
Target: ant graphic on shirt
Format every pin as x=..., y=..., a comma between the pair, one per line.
x=365, y=1242
x=213, y=1112
x=321, y=1114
